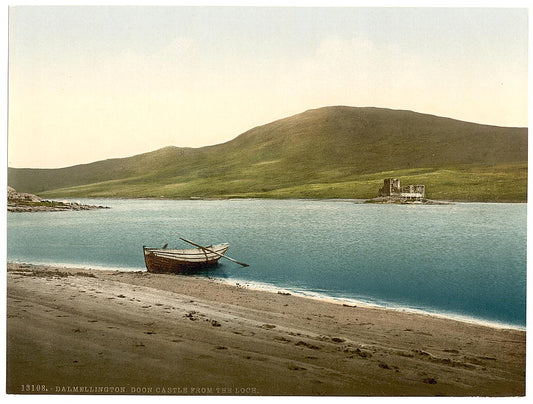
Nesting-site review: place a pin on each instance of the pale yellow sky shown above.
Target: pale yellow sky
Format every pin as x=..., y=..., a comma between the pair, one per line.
x=90, y=83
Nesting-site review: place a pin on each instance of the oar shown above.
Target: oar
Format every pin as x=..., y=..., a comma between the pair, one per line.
x=214, y=252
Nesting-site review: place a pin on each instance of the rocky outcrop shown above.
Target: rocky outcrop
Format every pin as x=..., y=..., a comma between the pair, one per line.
x=23, y=202
x=405, y=201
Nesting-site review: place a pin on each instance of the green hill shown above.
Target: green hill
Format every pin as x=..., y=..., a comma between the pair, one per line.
x=331, y=152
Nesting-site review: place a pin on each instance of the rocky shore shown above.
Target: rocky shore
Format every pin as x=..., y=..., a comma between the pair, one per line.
x=24, y=202
x=405, y=201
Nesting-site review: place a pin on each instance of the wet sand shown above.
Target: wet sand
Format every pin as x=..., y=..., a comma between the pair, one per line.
x=74, y=331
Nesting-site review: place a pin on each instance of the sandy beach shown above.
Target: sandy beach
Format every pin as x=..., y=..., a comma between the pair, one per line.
x=81, y=331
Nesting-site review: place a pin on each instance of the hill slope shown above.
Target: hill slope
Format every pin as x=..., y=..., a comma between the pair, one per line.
x=337, y=152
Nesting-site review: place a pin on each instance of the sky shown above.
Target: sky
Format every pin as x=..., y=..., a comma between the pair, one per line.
x=91, y=83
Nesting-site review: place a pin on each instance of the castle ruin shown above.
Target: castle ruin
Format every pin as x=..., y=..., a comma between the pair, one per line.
x=391, y=188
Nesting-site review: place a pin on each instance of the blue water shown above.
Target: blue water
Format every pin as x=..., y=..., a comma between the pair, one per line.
x=461, y=260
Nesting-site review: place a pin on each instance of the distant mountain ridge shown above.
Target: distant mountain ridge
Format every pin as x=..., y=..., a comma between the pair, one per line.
x=335, y=152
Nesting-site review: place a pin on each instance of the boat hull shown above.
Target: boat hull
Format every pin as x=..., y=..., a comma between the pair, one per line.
x=182, y=261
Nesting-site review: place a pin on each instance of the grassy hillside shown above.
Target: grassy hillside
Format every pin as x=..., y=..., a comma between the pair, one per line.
x=332, y=152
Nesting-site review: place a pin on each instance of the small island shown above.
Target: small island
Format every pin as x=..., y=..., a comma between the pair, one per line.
x=23, y=202
x=392, y=192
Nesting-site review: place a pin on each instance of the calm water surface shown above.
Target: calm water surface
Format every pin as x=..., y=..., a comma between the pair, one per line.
x=462, y=259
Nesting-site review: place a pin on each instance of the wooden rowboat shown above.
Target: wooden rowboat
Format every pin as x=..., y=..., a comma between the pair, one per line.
x=162, y=260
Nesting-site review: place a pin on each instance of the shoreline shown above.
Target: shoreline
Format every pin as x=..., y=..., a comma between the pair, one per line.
x=271, y=288
x=244, y=198
x=383, y=306
x=143, y=331
x=24, y=202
